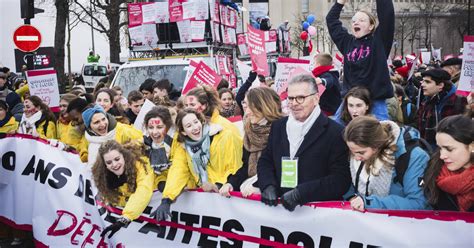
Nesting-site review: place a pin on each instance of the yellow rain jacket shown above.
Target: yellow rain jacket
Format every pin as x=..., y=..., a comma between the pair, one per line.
x=226, y=159
x=10, y=126
x=135, y=202
x=50, y=130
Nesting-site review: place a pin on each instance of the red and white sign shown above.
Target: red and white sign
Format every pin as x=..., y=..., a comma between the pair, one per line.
x=44, y=84
x=176, y=10
x=466, y=82
x=202, y=75
x=257, y=51
x=135, y=17
x=27, y=38
x=284, y=67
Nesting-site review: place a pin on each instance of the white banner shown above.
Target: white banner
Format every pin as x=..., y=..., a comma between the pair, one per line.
x=162, y=12
x=44, y=84
x=185, y=30
x=52, y=191
x=466, y=82
x=149, y=12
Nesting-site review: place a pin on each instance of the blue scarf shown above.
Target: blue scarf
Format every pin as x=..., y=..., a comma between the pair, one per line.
x=200, y=154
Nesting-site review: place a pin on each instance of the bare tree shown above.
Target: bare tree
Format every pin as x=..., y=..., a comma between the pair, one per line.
x=428, y=11
x=62, y=13
x=458, y=20
x=104, y=17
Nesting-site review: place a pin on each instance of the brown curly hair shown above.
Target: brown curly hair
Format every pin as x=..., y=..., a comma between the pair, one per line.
x=132, y=152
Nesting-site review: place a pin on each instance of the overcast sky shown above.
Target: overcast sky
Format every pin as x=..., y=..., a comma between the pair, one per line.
x=80, y=43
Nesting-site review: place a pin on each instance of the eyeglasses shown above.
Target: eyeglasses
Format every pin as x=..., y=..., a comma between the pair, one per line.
x=299, y=99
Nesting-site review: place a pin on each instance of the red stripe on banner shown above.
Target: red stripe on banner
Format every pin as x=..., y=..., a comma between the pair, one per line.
x=345, y=205
x=291, y=60
x=235, y=118
x=462, y=93
x=40, y=72
x=38, y=244
x=23, y=227
x=469, y=38
x=208, y=231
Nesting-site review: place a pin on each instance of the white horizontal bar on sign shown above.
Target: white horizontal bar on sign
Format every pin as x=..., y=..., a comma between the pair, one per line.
x=27, y=38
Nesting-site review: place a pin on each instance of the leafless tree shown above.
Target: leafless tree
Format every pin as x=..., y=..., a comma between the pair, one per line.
x=104, y=16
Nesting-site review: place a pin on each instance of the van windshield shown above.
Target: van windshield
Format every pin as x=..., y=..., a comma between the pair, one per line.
x=95, y=70
x=131, y=78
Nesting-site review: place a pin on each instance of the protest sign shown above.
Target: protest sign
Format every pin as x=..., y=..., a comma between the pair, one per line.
x=176, y=10
x=147, y=106
x=466, y=81
x=202, y=75
x=50, y=192
x=44, y=84
x=162, y=12
x=135, y=17
x=283, y=70
x=256, y=47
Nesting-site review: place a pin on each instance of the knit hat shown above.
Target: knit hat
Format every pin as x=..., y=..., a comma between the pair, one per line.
x=403, y=71
x=88, y=113
x=451, y=61
x=438, y=75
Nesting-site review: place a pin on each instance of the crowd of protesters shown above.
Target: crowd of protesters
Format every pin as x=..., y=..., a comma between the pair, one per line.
x=377, y=137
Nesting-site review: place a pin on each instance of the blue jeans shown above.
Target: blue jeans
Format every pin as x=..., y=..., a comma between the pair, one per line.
x=379, y=110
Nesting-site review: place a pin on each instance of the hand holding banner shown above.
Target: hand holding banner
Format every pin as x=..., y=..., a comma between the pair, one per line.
x=258, y=54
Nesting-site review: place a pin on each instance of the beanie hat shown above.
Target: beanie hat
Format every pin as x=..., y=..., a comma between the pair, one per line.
x=88, y=113
x=438, y=75
x=451, y=61
x=403, y=71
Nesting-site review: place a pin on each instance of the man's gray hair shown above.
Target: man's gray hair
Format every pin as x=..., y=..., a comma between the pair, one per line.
x=305, y=78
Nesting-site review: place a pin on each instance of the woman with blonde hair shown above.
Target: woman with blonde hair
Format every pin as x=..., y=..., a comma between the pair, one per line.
x=263, y=107
x=123, y=178
x=379, y=149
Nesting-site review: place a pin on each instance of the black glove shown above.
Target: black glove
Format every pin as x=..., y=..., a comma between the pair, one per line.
x=163, y=211
x=269, y=196
x=113, y=228
x=252, y=76
x=291, y=199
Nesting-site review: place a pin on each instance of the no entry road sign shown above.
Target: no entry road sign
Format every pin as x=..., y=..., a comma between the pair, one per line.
x=27, y=38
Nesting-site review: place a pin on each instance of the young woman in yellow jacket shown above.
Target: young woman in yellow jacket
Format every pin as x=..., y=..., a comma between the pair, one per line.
x=37, y=119
x=101, y=127
x=125, y=179
x=205, y=157
x=8, y=123
x=66, y=131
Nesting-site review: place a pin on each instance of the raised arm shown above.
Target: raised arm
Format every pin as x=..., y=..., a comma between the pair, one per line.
x=386, y=28
x=339, y=35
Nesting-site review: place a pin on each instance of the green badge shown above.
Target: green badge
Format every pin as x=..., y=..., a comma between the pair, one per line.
x=289, y=172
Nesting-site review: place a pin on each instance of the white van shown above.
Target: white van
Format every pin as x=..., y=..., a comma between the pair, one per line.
x=93, y=72
x=132, y=74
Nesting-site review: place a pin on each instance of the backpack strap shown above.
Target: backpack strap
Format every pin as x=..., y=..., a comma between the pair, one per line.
x=401, y=164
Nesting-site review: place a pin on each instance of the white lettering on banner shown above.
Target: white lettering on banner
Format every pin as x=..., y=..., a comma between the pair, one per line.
x=52, y=191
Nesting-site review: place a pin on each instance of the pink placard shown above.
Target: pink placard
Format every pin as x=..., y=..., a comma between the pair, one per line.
x=176, y=10
x=202, y=75
x=256, y=47
x=135, y=17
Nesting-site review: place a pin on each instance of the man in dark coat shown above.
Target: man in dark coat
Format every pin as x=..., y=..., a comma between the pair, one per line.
x=306, y=158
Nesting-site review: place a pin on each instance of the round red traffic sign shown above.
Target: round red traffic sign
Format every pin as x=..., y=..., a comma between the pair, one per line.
x=27, y=38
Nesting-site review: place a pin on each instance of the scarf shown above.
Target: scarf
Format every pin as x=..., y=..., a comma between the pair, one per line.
x=318, y=71
x=94, y=144
x=158, y=154
x=297, y=130
x=200, y=154
x=255, y=140
x=459, y=184
x=27, y=124
x=226, y=113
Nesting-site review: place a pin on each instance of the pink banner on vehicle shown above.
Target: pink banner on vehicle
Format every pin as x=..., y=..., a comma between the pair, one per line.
x=257, y=51
x=135, y=17
x=202, y=75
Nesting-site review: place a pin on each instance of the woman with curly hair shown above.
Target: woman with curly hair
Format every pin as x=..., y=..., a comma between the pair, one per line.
x=376, y=148
x=449, y=179
x=125, y=179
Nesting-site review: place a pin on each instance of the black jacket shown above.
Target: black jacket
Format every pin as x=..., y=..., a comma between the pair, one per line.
x=331, y=98
x=323, y=161
x=447, y=202
x=365, y=59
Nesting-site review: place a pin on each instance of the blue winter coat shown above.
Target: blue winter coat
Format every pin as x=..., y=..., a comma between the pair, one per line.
x=409, y=196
